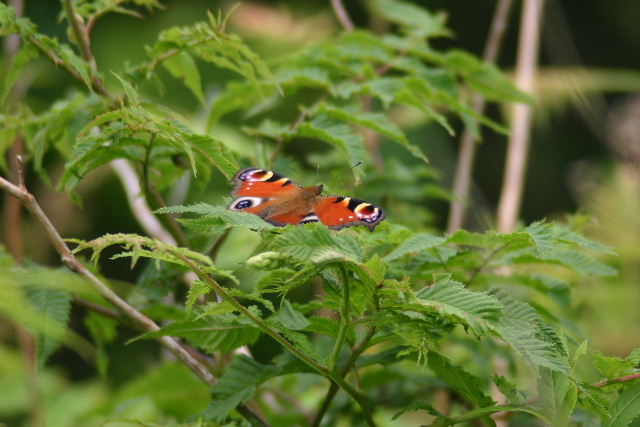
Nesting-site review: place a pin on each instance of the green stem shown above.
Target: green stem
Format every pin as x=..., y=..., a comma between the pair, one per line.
x=333, y=388
x=345, y=315
x=78, y=31
x=322, y=370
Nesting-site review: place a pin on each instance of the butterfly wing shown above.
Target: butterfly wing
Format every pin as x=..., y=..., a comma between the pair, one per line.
x=338, y=212
x=260, y=191
x=281, y=201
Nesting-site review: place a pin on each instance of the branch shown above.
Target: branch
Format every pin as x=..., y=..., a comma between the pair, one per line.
x=139, y=319
x=130, y=183
x=617, y=380
x=130, y=313
x=466, y=157
x=342, y=15
x=80, y=33
x=516, y=163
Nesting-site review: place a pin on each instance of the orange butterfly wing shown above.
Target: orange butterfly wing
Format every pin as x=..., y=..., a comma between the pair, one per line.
x=281, y=201
x=338, y=212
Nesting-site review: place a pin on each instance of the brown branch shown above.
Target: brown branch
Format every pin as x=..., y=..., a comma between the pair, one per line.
x=466, y=157
x=517, y=151
x=342, y=15
x=139, y=319
x=132, y=315
x=616, y=380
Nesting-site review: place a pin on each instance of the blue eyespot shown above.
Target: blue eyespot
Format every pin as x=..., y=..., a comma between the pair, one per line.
x=243, y=204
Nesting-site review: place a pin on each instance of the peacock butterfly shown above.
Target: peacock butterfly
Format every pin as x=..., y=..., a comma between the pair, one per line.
x=281, y=201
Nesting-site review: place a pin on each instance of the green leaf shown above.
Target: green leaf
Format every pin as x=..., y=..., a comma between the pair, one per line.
x=290, y=317
x=238, y=95
x=580, y=262
x=129, y=90
x=414, y=20
x=476, y=413
x=386, y=89
x=520, y=328
x=485, y=78
x=466, y=385
x=56, y=306
x=376, y=121
x=340, y=136
x=298, y=339
x=558, y=396
x=198, y=288
x=212, y=152
x=564, y=234
x=315, y=241
x=490, y=239
x=305, y=76
x=626, y=408
x=220, y=333
x=209, y=42
x=26, y=53
x=417, y=242
x=613, y=367
x=103, y=330
x=451, y=299
x=183, y=67
x=236, y=386
x=509, y=390
x=217, y=215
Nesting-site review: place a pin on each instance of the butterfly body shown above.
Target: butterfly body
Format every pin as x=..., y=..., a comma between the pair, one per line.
x=281, y=201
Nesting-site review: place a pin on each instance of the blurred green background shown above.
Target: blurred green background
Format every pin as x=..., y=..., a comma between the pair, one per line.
x=585, y=154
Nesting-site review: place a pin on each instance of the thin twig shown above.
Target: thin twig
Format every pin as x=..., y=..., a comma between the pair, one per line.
x=137, y=318
x=517, y=151
x=139, y=207
x=466, y=156
x=79, y=31
x=342, y=15
x=30, y=203
x=107, y=312
x=616, y=380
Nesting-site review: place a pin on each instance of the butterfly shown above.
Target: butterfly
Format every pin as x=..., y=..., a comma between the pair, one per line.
x=281, y=201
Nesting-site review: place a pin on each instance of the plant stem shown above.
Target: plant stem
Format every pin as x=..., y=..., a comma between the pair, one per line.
x=130, y=313
x=82, y=39
x=617, y=380
x=345, y=315
x=333, y=388
x=30, y=203
x=516, y=163
x=466, y=156
x=79, y=32
x=342, y=15
x=322, y=370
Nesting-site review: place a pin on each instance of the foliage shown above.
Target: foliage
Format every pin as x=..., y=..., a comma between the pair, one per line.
x=389, y=317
